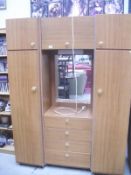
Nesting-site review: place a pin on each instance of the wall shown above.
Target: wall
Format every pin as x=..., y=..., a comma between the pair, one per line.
x=21, y=8
x=126, y=5
x=14, y=9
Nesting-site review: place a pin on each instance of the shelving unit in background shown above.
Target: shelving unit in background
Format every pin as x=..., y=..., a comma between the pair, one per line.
x=4, y=95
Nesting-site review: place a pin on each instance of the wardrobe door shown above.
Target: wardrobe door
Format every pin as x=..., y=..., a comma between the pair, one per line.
x=112, y=94
x=26, y=106
x=113, y=31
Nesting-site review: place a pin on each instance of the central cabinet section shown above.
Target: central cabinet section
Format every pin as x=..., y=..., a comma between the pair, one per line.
x=68, y=118
x=67, y=52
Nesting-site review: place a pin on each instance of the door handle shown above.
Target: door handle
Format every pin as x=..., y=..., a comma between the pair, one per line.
x=100, y=43
x=99, y=92
x=34, y=88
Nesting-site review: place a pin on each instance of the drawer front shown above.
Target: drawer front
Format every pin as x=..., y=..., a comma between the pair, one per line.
x=65, y=145
x=65, y=122
x=67, y=134
x=67, y=159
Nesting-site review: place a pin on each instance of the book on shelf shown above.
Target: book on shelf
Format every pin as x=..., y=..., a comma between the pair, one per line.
x=3, y=65
x=3, y=48
x=4, y=87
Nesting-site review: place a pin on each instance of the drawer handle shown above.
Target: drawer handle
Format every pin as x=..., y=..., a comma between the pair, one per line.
x=67, y=121
x=67, y=144
x=67, y=155
x=50, y=46
x=66, y=133
x=130, y=51
x=32, y=44
x=67, y=44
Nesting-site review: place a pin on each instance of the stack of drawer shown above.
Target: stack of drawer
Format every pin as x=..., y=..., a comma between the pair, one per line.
x=68, y=140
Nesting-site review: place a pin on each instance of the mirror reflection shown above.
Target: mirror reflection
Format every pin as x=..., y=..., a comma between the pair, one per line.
x=73, y=77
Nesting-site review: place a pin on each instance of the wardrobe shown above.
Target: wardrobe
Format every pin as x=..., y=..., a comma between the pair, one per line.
x=94, y=139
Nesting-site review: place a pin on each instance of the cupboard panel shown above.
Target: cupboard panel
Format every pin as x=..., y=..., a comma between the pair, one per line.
x=22, y=34
x=68, y=33
x=26, y=106
x=67, y=159
x=72, y=123
x=70, y=134
x=56, y=33
x=113, y=31
x=112, y=85
x=66, y=145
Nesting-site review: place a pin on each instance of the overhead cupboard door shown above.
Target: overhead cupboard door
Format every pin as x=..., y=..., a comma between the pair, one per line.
x=56, y=33
x=113, y=31
x=22, y=34
x=112, y=94
x=68, y=33
x=26, y=106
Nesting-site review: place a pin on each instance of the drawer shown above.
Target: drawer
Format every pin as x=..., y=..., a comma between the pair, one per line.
x=64, y=145
x=67, y=134
x=67, y=159
x=68, y=122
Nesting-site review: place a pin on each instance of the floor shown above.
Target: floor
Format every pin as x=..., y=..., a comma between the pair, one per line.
x=8, y=166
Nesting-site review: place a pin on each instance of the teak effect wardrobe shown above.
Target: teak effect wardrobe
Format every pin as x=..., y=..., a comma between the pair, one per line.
x=95, y=139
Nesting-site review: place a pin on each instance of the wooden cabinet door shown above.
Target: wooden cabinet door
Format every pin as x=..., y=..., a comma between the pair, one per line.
x=83, y=32
x=56, y=33
x=68, y=33
x=26, y=106
x=113, y=31
x=112, y=94
x=22, y=34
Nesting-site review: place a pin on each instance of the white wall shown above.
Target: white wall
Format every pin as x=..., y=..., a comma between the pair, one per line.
x=21, y=8
x=126, y=4
x=14, y=9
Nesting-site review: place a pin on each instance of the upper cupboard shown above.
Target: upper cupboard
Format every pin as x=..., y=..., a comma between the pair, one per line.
x=25, y=34
x=101, y=32
x=57, y=33
x=113, y=31
x=68, y=33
